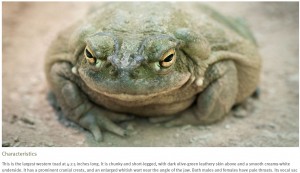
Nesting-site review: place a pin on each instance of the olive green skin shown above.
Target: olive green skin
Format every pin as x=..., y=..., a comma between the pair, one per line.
x=217, y=65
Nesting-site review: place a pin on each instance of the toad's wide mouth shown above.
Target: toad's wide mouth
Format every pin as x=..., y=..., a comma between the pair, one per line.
x=149, y=89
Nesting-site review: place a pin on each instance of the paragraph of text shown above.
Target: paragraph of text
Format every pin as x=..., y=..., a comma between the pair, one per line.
x=152, y=167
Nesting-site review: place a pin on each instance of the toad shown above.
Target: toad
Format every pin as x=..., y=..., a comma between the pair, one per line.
x=181, y=62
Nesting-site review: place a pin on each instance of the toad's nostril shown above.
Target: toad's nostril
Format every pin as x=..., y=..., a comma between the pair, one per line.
x=128, y=62
x=137, y=60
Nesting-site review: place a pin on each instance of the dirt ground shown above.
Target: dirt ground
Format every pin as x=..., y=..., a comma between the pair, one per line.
x=29, y=120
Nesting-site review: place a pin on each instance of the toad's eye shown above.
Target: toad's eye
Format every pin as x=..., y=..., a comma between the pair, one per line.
x=168, y=58
x=89, y=56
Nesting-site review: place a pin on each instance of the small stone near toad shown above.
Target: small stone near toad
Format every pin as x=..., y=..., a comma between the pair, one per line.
x=6, y=144
x=14, y=119
x=27, y=121
x=240, y=113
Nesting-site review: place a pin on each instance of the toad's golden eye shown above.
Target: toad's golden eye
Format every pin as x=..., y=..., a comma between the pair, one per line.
x=89, y=56
x=168, y=58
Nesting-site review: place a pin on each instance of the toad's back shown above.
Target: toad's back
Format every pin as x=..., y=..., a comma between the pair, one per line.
x=157, y=17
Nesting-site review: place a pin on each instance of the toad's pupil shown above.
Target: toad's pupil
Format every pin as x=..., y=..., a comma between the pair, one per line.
x=88, y=54
x=169, y=58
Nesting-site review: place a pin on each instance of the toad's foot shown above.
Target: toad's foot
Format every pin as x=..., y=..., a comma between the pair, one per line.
x=95, y=121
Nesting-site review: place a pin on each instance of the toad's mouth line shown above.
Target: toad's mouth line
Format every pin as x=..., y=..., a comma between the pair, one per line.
x=137, y=97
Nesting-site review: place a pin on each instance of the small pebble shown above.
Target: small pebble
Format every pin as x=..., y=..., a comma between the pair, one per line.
x=240, y=113
x=17, y=144
x=13, y=119
x=27, y=121
x=227, y=126
x=5, y=144
x=192, y=140
x=16, y=139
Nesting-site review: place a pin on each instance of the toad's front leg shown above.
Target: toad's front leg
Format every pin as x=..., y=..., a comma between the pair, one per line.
x=216, y=100
x=76, y=105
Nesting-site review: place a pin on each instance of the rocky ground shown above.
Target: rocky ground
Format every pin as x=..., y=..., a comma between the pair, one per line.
x=29, y=120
